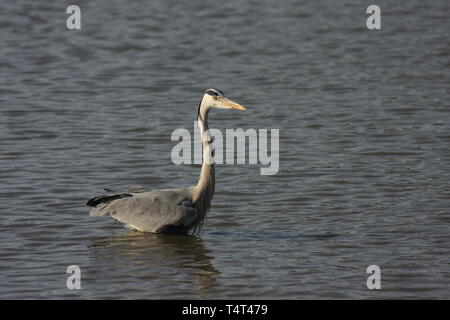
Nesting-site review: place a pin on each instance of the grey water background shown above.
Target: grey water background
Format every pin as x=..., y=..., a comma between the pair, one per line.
x=364, y=147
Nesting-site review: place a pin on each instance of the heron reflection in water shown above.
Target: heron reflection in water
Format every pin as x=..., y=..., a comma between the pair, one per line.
x=172, y=211
x=152, y=259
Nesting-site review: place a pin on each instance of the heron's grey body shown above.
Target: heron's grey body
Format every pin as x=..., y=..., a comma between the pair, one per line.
x=153, y=211
x=171, y=210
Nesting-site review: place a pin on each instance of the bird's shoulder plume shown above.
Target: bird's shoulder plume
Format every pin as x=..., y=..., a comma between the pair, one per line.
x=106, y=199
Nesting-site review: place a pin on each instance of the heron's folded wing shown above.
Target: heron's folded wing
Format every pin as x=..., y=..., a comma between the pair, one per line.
x=150, y=211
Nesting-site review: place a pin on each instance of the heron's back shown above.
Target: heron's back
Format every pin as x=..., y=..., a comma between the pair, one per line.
x=162, y=211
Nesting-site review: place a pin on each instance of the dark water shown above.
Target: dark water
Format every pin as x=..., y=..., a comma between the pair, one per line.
x=364, y=147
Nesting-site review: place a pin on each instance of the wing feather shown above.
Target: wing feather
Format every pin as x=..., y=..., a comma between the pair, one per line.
x=152, y=211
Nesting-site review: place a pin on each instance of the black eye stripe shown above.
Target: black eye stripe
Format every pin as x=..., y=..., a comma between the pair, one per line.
x=219, y=91
x=214, y=92
x=211, y=93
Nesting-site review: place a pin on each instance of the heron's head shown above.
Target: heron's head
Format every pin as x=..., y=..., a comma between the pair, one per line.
x=214, y=98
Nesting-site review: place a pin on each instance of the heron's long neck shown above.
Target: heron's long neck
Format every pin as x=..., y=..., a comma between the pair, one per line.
x=206, y=181
x=207, y=177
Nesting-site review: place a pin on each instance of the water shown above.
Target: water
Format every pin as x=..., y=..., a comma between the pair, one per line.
x=364, y=147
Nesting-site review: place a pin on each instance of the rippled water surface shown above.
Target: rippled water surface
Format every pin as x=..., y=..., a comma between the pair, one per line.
x=364, y=147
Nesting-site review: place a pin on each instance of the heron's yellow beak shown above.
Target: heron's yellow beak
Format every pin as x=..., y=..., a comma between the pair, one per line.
x=227, y=103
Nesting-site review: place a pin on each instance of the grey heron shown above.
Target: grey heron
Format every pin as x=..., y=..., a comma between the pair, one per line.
x=174, y=211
